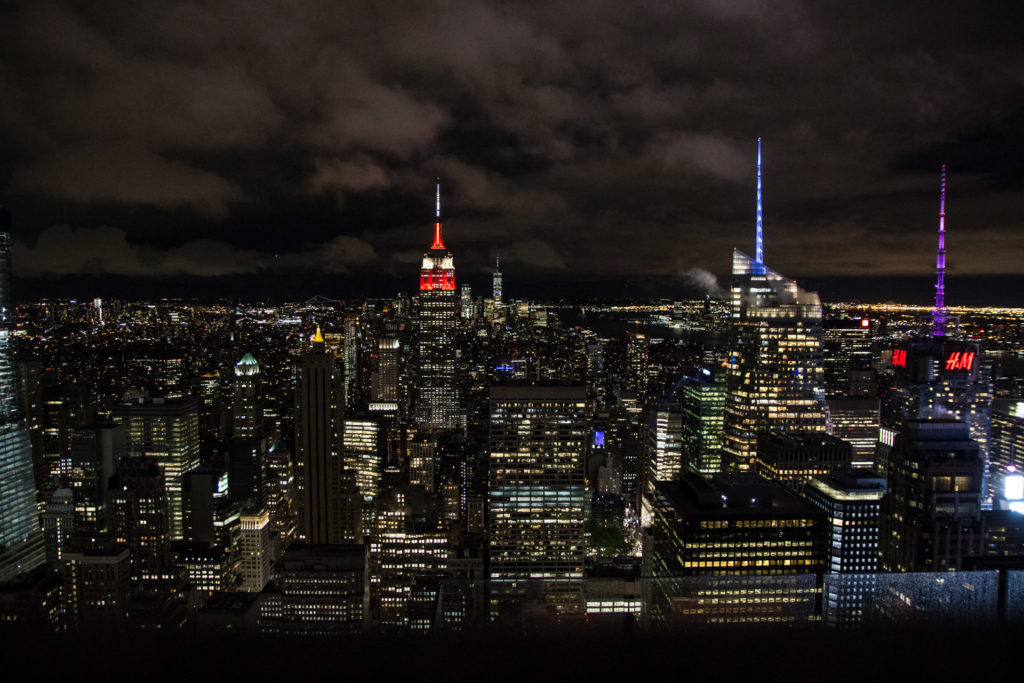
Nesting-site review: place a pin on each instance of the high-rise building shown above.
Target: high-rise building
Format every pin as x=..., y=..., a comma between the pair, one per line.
x=21, y=539
x=664, y=445
x=792, y=458
x=361, y=454
x=731, y=549
x=437, y=400
x=168, y=431
x=94, y=453
x=931, y=515
x=856, y=421
x=245, y=466
x=775, y=375
x=496, y=281
x=1007, y=450
x=384, y=387
x=847, y=344
x=702, y=401
x=316, y=591
x=140, y=518
x=775, y=379
x=537, y=450
x=97, y=581
x=254, y=550
x=58, y=523
x=319, y=407
x=851, y=500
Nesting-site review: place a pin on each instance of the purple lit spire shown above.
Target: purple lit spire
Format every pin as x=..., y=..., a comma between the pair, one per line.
x=939, y=315
x=759, y=253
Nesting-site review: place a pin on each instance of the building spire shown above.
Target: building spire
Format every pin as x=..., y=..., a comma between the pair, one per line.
x=759, y=255
x=940, y=314
x=438, y=242
x=318, y=338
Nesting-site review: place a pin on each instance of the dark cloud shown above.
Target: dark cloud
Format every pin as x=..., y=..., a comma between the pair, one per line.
x=601, y=139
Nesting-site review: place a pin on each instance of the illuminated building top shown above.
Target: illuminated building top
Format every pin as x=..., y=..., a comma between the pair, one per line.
x=438, y=269
x=941, y=313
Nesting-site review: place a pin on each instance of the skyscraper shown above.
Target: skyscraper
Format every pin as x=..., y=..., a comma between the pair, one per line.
x=776, y=375
x=703, y=407
x=245, y=466
x=167, y=430
x=319, y=402
x=140, y=518
x=496, y=281
x=537, y=447
x=21, y=540
x=437, y=402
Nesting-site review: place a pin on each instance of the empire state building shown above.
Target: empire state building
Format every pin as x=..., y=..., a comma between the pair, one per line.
x=437, y=402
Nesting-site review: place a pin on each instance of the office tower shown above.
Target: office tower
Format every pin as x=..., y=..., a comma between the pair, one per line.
x=21, y=540
x=384, y=387
x=437, y=401
x=731, y=549
x=702, y=402
x=466, y=303
x=774, y=379
x=319, y=406
x=847, y=346
x=141, y=518
x=97, y=581
x=932, y=511
x=65, y=407
x=33, y=601
x=851, y=501
x=409, y=541
x=58, y=523
x=791, y=459
x=209, y=514
x=856, y=421
x=316, y=591
x=245, y=466
x=167, y=430
x=637, y=361
x=537, y=448
x=361, y=443
x=30, y=375
x=496, y=281
x=254, y=550
x=939, y=374
x=422, y=459
x=94, y=453
x=280, y=495
x=208, y=568
x=775, y=376
x=663, y=450
x=1007, y=445
x=350, y=361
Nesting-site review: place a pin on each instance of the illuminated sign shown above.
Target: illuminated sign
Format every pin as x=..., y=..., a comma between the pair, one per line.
x=960, y=360
x=899, y=358
x=505, y=368
x=865, y=322
x=598, y=439
x=1013, y=487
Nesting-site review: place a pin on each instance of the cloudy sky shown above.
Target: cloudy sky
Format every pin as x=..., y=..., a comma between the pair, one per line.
x=149, y=139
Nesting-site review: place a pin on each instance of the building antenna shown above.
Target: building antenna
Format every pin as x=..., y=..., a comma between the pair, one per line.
x=940, y=314
x=759, y=257
x=438, y=242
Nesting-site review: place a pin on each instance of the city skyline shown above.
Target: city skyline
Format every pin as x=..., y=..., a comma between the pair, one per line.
x=560, y=157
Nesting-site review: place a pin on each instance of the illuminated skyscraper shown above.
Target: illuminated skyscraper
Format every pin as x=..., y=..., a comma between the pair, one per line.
x=167, y=430
x=537, y=448
x=246, y=464
x=254, y=551
x=21, y=540
x=319, y=405
x=775, y=376
x=437, y=401
x=496, y=291
x=703, y=407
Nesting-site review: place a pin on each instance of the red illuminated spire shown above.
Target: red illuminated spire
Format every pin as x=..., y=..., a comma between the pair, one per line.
x=438, y=242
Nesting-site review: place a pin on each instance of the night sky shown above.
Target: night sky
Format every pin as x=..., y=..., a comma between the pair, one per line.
x=145, y=144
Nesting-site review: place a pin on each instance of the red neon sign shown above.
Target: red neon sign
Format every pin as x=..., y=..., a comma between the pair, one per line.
x=899, y=358
x=960, y=360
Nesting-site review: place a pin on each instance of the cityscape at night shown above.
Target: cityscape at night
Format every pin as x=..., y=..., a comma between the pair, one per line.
x=401, y=340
